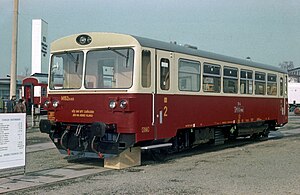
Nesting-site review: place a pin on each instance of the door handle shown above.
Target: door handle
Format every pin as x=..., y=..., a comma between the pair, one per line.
x=160, y=117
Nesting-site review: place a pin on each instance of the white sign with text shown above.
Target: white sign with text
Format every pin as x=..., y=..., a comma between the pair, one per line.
x=12, y=140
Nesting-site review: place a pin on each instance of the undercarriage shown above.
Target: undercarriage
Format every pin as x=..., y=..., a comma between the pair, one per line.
x=87, y=140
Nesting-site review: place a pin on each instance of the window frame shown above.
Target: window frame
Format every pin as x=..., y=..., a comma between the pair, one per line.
x=164, y=77
x=192, y=73
x=258, y=81
x=230, y=78
x=59, y=81
x=211, y=88
x=107, y=77
x=146, y=70
x=249, y=91
x=272, y=83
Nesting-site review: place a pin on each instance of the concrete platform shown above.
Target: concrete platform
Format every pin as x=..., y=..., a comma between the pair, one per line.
x=40, y=147
x=34, y=179
x=17, y=182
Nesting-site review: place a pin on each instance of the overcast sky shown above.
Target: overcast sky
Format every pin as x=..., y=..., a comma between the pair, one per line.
x=268, y=31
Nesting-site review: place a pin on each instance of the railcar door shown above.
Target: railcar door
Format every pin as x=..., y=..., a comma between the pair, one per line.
x=283, y=114
x=285, y=100
x=28, y=96
x=163, y=93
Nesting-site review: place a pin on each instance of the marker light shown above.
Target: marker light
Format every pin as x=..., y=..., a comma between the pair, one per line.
x=83, y=39
x=55, y=104
x=112, y=104
x=123, y=104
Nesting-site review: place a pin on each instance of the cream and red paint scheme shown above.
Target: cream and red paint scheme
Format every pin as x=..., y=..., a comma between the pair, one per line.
x=34, y=90
x=153, y=115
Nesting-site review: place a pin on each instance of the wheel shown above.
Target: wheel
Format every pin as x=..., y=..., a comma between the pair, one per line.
x=255, y=136
x=265, y=135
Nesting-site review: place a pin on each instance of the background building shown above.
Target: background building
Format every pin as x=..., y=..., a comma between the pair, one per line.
x=5, y=93
x=294, y=75
x=5, y=88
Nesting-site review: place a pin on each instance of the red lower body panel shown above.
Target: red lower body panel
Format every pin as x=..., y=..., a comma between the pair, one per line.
x=168, y=114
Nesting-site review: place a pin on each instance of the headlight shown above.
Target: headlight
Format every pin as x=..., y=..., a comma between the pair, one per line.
x=46, y=103
x=112, y=104
x=123, y=104
x=55, y=104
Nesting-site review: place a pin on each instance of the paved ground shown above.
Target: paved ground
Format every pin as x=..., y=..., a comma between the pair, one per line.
x=268, y=167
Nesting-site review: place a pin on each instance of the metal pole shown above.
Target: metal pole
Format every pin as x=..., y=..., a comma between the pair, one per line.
x=13, y=65
x=32, y=116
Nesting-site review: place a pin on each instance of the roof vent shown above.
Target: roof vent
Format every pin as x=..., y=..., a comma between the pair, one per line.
x=190, y=46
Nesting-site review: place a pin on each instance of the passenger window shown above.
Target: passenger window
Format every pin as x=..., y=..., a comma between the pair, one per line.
x=285, y=85
x=272, y=84
x=230, y=80
x=260, y=83
x=281, y=86
x=164, y=74
x=246, y=85
x=211, y=78
x=146, y=68
x=189, y=75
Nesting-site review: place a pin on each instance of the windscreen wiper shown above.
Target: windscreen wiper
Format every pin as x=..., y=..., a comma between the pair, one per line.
x=73, y=59
x=119, y=53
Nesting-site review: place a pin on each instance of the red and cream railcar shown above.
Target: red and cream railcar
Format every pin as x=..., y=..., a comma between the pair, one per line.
x=108, y=92
x=34, y=90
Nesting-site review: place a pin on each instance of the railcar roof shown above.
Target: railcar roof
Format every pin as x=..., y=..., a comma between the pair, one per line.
x=41, y=78
x=182, y=49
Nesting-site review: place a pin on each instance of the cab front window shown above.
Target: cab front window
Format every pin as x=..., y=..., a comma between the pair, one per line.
x=109, y=68
x=66, y=70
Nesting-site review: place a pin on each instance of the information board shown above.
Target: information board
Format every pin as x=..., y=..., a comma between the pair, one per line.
x=12, y=140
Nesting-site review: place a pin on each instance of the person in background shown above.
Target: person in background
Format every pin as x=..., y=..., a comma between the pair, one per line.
x=20, y=107
x=12, y=105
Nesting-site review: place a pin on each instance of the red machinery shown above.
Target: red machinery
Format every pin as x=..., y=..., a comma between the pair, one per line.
x=34, y=91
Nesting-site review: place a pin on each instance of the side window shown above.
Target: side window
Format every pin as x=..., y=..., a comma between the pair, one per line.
x=211, y=78
x=230, y=80
x=285, y=85
x=272, y=84
x=281, y=86
x=260, y=83
x=246, y=85
x=164, y=74
x=146, y=68
x=44, y=92
x=189, y=75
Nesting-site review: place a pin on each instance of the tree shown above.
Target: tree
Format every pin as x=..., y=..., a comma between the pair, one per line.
x=26, y=71
x=286, y=65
